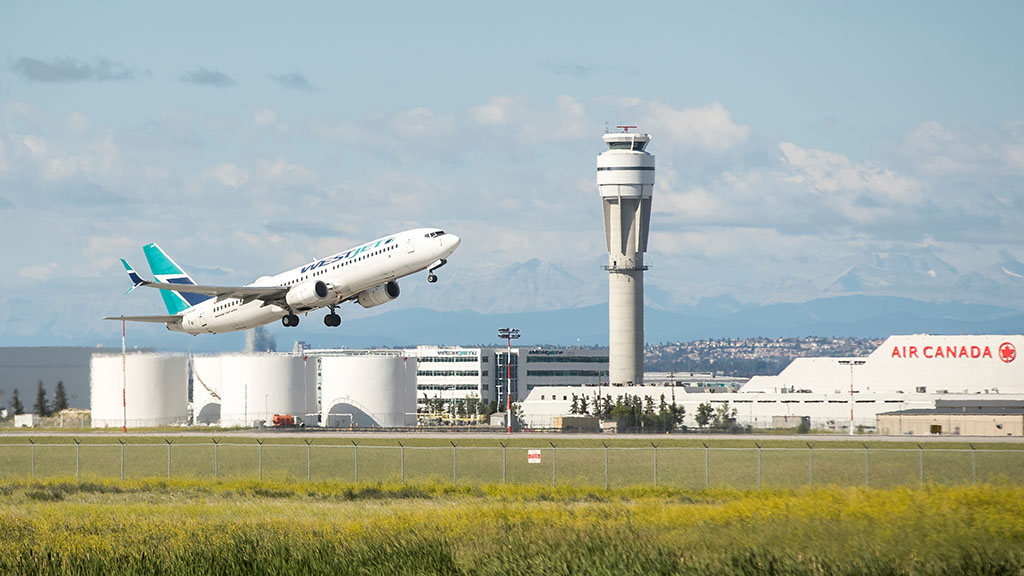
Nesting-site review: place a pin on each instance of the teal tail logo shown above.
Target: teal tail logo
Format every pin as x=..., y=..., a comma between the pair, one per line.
x=166, y=270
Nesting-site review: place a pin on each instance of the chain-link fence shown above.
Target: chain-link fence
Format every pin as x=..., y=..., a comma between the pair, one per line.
x=606, y=466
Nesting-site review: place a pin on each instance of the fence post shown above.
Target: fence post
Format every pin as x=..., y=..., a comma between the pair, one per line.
x=355, y=459
x=605, y=465
x=920, y=463
x=707, y=466
x=402, y=450
x=32, y=470
x=309, y=458
x=78, y=445
x=260, y=465
x=504, y=461
x=122, y=458
x=455, y=461
x=216, y=458
x=168, y=458
x=974, y=465
x=554, y=463
x=758, y=465
x=867, y=469
x=810, y=463
x=655, y=464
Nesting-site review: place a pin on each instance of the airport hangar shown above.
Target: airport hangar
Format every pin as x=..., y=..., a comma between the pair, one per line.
x=908, y=372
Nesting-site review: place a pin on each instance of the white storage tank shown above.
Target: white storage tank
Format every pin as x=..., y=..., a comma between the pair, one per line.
x=206, y=382
x=368, y=390
x=155, y=390
x=254, y=387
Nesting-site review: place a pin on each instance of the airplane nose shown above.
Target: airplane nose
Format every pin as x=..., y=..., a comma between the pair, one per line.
x=455, y=241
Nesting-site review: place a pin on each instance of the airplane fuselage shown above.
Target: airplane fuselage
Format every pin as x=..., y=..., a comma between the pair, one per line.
x=365, y=273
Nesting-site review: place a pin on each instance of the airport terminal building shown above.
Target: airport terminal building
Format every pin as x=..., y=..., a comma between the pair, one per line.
x=455, y=373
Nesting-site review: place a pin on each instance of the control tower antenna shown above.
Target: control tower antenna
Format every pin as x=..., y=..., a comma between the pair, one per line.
x=625, y=181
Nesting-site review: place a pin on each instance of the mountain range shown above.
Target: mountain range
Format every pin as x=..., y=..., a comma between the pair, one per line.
x=872, y=295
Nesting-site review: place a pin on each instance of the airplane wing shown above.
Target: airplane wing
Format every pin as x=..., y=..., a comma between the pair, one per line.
x=265, y=293
x=221, y=292
x=155, y=319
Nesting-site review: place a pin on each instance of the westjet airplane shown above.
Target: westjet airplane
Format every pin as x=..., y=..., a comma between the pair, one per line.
x=365, y=274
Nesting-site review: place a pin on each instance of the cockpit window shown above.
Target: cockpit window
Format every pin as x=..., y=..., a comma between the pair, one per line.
x=434, y=234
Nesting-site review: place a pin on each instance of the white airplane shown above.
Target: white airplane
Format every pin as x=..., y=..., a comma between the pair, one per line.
x=366, y=274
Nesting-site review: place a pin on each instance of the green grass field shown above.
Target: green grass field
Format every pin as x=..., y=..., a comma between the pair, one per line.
x=683, y=463
x=245, y=527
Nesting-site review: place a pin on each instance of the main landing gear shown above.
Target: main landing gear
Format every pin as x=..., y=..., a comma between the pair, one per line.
x=290, y=320
x=333, y=319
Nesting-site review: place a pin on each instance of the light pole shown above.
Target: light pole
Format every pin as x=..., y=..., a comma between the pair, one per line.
x=851, y=364
x=509, y=334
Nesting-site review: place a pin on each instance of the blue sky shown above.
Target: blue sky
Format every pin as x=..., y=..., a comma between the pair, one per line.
x=794, y=140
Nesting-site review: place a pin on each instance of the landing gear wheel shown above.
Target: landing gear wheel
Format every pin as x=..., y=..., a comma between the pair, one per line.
x=332, y=320
x=290, y=320
x=432, y=278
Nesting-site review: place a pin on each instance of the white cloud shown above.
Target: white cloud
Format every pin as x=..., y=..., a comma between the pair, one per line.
x=710, y=128
x=1015, y=159
x=285, y=173
x=696, y=203
x=40, y=272
x=966, y=149
x=78, y=123
x=830, y=172
x=37, y=146
x=421, y=122
x=937, y=151
x=494, y=113
x=533, y=123
x=267, y=118
x=63, y=167
x=227, y=174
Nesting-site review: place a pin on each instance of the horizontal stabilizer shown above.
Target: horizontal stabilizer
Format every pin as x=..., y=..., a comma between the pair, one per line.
x=165, y=319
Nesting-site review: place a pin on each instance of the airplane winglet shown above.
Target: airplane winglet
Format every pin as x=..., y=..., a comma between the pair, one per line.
x=133, y=275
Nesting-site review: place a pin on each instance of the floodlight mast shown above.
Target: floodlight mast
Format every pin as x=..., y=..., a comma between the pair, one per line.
x=851, y=364
x=509, y=334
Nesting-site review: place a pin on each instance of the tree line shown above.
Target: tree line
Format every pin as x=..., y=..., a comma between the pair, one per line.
x=42, y=406
x=640, y=414
x=633, y=412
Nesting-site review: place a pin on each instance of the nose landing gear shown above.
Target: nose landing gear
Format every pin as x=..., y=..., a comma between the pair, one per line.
x=431, y=277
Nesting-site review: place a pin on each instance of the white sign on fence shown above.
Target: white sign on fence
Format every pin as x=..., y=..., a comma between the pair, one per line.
x=533, y=456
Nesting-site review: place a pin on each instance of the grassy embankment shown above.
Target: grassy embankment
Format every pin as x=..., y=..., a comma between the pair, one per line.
x=190, y=527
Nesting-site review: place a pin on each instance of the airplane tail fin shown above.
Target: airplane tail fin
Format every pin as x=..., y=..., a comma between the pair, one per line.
x=166, y=270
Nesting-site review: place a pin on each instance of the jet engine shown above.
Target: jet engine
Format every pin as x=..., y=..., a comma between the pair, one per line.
x=308, y=295
x=379, y=294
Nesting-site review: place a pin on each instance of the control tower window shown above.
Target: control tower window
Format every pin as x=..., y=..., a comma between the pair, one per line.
x=635, y=145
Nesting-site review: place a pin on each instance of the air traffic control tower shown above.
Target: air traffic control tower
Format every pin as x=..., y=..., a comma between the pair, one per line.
x=625, y=180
